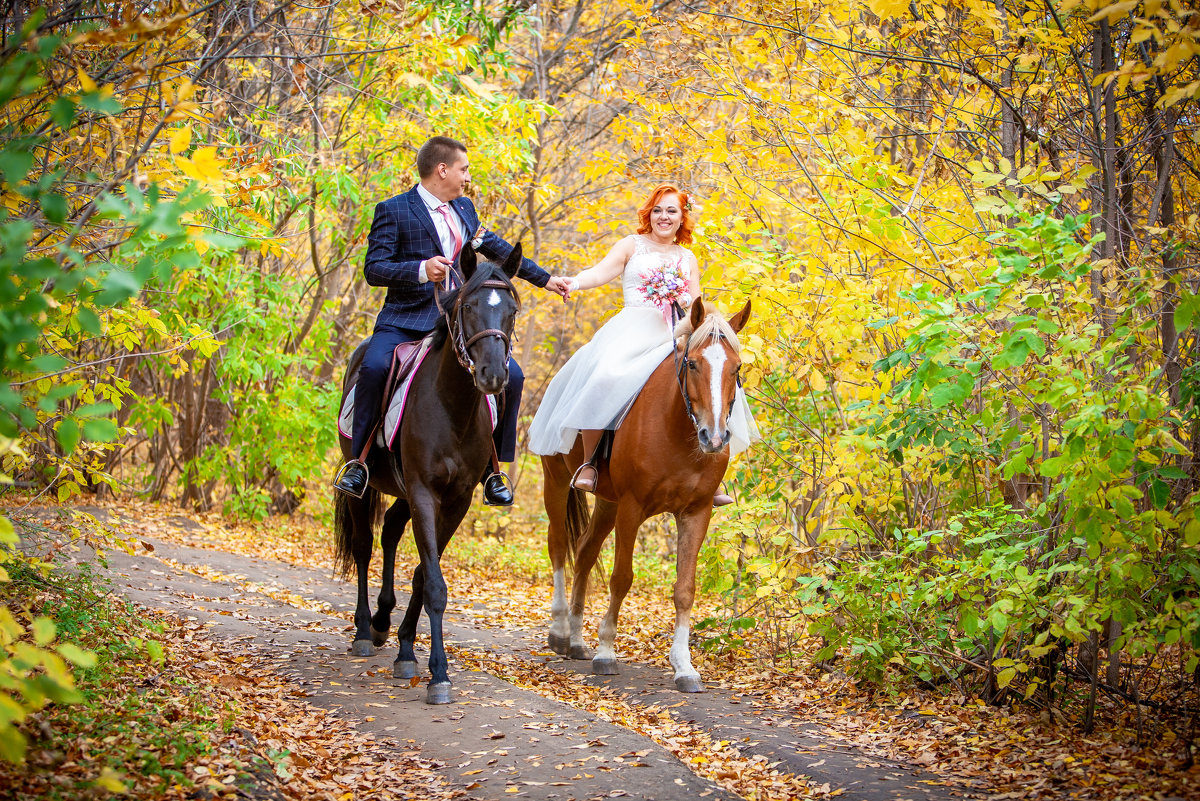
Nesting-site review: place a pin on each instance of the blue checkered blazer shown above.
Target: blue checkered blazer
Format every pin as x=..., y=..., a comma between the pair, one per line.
x=402, y=236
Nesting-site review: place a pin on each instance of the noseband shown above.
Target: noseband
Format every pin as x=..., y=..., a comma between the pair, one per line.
x=453, y=319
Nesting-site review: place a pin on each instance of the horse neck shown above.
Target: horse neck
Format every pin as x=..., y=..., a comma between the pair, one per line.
x=453, y=384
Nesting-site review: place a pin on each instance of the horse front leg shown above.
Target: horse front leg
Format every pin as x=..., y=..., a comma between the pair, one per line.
x=393, y=529
x=692, y=526
x=585, y=559
x=405, y=666
x=433, y=526
x=628, y=520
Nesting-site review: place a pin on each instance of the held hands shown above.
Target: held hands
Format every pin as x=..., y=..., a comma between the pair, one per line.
x=561, y=286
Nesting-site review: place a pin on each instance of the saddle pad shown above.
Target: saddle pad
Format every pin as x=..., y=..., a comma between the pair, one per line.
x=409, y=361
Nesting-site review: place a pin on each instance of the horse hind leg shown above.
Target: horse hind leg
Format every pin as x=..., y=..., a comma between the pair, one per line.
x=353, y=519
x=556, y=495
x=585, y=559
x=389, y=537
x=628, y=520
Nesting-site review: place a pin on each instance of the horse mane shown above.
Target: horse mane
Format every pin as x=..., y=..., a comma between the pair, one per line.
x=484, y=271
x=713, y=326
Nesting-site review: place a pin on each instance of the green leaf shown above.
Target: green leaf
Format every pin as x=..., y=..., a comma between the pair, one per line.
x=54, y=206
x=99, y=430
x=43, y=630
x=67, y=433
x=12, y=743
x=118, y=285
x=76, y=655
x=63, y=112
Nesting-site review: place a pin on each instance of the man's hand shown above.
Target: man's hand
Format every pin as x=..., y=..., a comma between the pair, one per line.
x=559, y=285
x=436, y=268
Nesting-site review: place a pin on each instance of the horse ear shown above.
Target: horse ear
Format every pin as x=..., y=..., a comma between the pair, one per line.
x=738, y=321
x=697, y=313
x=467, y=260
x=513, y=262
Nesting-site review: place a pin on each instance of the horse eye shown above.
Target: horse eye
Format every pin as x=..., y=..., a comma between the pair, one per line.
x=692, y=365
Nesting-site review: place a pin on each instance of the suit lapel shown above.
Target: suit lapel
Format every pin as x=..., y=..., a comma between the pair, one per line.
x=466, y=212
x=417, y=208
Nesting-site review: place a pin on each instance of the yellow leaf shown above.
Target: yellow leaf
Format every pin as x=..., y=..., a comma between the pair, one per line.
x=180, y=140
x=476, y=88
x=885, y=9
x=86, y=81
x=817, y=381
x=111, y=780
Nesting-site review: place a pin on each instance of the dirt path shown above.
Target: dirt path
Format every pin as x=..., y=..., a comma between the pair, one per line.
x=496, y=740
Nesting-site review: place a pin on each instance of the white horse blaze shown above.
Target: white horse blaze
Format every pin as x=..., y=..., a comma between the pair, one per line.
x=715, y=355
x=494, y=298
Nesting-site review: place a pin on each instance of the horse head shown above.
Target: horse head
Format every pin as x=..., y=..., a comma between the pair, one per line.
x=710, y=370
x=484, y=313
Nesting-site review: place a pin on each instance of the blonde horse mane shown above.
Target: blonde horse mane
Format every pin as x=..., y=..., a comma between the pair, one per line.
x=713, y=326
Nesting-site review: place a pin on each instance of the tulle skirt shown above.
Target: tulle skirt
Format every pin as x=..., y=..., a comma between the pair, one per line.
x=596, y=385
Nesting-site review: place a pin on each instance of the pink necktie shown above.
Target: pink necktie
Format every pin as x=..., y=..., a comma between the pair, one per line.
x=445, y=210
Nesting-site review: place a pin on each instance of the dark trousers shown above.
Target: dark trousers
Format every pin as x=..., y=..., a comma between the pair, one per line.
x=368, y=392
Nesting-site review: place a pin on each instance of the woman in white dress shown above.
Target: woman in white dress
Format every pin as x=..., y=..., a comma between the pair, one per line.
x=596, y=385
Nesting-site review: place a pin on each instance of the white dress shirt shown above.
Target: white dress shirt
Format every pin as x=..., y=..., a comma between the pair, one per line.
x=445, y=236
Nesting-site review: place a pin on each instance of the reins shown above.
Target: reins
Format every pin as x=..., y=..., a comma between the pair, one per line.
x=453, y=318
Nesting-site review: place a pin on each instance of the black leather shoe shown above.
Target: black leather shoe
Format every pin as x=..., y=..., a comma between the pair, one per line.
x=351, y=479
x=496, y=492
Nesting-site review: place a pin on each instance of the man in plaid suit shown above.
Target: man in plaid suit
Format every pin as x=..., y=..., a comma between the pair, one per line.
x=413, y=241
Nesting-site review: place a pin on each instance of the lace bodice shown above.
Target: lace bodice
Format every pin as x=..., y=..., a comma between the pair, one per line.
x=654, y=278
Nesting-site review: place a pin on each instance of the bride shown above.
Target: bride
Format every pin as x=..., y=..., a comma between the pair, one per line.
x=596, y=386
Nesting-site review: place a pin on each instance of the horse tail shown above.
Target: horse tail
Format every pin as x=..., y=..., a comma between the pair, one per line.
x=344, y=509
x=579, y=517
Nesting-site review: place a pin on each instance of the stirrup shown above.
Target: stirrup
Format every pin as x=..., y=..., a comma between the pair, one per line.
x=579, y=481
x=341, y=473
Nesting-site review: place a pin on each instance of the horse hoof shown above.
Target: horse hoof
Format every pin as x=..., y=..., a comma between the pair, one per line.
x=404, y=669
x=689, y=684
x=559, y=645
x=604, y=667
x=438, y=693
x=362, y=648
x=379, y=638
x=579, y=652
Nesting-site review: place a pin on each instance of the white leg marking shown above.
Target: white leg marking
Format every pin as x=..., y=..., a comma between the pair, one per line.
x=494, y=298
x=715, y=355
x=559, y=626
x=576, y=629
x=681, y=656
x=608, y=634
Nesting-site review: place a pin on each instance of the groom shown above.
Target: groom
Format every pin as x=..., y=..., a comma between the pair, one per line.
x=414, y=240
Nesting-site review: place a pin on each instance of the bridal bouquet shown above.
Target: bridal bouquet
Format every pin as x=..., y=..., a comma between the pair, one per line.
x=664, y=286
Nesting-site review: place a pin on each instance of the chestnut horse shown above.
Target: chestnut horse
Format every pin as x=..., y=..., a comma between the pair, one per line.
x=668, y=455
x=444, y=443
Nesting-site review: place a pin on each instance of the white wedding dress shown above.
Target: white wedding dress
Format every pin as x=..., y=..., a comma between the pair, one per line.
x=596, y=384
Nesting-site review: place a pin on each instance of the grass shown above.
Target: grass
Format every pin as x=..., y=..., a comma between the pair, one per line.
x=137, y=727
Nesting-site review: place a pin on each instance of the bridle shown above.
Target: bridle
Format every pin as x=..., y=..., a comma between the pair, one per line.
x=681, y=362
x=453, y=318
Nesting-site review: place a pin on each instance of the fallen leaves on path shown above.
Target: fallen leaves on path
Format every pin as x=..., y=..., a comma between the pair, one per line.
x=1013, y=752
x=748, y=776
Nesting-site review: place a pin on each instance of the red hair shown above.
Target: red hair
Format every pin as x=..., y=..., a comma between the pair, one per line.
x=684, y=235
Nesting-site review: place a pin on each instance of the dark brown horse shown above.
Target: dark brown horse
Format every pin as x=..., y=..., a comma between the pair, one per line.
x=444, y=443
x=668, y=455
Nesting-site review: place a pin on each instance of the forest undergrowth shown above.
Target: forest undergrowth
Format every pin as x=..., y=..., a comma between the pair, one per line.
x=1010, y=750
